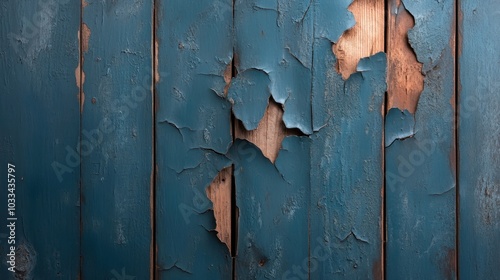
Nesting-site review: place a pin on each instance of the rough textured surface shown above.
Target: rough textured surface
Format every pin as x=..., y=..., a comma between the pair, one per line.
x=117, y=128
x=270, y=132
x=479, y=140
x=347, y=173
x=193, y=120
x=39, y=121
x=420, y=170
x=273, y=209
x=363, y=39
x=404, y=75
x=219, y=192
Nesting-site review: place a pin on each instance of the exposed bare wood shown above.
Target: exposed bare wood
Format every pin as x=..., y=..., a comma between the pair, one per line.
x=364, y=39
x=269, y=133
x=219, y=192
x=404, y=73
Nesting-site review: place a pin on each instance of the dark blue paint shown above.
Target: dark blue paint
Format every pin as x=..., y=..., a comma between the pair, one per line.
x=39, y=122
x=192, y=135
x=117, y=124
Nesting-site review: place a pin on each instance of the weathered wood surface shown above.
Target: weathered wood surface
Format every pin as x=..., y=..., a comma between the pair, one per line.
x=117, y=130
x=478, y=141
x=420, y=146
x=192, y=135
x=267, y=162
x=40, y=128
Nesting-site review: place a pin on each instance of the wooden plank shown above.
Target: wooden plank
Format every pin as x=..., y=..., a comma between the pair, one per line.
x=347, y=150
x=478, y=140
x=347, y=170
x=275, y=51
x=193, y=133
x=117, y=130
x=420, y=141
x=39, y=124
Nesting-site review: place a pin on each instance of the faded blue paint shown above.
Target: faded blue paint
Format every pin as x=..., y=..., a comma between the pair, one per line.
x=117, y=124
x=39, y=121
x=347, y=170
x=478, y=140
x=420, y=170
x=277, y=39
x=399, y=125
x=249, y=94
x=273, y=203
x=192, y=135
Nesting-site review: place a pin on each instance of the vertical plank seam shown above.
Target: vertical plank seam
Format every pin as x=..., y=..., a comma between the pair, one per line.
x=233, y=207
x=154, y=71
x=384, y=110
x=457, y=154
x=80, y=61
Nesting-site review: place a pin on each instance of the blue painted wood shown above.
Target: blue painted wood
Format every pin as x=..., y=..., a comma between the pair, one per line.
x=39, y=124
x=420, y=163
x=273, y=203
x=117, y=140
x=478, y=141
x=347, y=169
x=192, y=135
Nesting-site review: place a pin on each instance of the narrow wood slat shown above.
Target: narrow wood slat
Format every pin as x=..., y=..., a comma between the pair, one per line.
x=478, y=141
x=193, y=134
x=117, y=140
x=420, y=141
x=39, y=124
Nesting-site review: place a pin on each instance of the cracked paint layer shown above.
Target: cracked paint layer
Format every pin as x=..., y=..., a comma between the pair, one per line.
x=249, y=95
x=193, y=134
x=399, y=125
x=420, y=172
x=273, y=208
x=346, y=170
x=479, y=140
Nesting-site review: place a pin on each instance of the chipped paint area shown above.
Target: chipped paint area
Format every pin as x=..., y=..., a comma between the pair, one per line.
x=405, y=77
x=83, y=39
x=363, y=39
x=420, y=178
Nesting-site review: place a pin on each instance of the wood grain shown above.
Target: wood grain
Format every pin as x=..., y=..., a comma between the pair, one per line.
x=404, y=74
x=219, y=192
x=366, y=38
x=270, y=132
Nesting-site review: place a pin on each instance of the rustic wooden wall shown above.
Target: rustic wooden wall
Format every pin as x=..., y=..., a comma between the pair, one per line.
x=250, y=139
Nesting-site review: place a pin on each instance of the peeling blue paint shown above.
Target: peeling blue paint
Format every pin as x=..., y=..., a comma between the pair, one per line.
x=420, y=170
x=249, y=94
x=273, y=203
x=399, y=125
x=193, y=133
x=346, y=170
